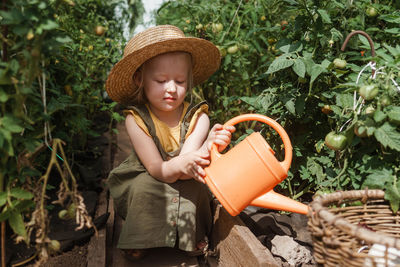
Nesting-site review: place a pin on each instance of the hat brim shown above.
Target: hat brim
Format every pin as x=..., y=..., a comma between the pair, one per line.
x=205, y=61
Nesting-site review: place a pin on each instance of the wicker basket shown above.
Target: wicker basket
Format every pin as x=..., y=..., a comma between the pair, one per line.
x=343, y=235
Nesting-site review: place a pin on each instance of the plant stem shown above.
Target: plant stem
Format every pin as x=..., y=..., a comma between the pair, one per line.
x=345, y=164
x=290, y=188
x=305, y=190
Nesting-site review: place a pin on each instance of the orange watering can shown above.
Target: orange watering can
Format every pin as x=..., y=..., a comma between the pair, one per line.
x=248, y=172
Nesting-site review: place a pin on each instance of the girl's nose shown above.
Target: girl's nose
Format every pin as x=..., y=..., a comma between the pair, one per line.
x=171, y=87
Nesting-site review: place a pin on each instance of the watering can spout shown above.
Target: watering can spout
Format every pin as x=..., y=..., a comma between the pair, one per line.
x=275, y=201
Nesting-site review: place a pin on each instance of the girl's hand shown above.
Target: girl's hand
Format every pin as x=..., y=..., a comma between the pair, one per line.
x=192, y=164
x=219, y=136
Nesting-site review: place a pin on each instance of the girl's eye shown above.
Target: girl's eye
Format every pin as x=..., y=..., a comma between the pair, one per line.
x=160, y=81
x=180, y=82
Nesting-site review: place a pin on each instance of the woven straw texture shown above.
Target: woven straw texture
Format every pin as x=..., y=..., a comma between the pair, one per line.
x=345, y=225
x=152, y=42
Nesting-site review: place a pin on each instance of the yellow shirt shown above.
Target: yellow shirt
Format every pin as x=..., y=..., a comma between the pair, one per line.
x=168, y=136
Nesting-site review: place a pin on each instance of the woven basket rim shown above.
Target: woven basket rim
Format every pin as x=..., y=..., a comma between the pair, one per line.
x=319, y=209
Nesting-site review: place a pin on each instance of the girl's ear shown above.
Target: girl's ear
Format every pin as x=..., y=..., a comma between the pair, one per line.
x=138, y=78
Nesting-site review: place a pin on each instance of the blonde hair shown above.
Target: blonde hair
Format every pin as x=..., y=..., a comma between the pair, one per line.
x=140, y=97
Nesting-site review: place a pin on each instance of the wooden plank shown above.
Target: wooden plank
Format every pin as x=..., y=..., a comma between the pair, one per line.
x=110, y=232
x=96, y=256
x=236, y=244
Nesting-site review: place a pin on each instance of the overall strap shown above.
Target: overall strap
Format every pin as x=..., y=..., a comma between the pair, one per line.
x=186, y=120
x=146, y=117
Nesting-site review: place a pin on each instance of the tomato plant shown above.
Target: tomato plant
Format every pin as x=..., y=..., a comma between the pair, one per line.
x=54, y=65
x=292, y=71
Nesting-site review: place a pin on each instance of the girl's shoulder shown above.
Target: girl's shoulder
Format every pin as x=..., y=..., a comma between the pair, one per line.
x=196, y=111
x=141, y=116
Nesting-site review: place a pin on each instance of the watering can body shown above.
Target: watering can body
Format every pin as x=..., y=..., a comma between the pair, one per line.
x=247, y=173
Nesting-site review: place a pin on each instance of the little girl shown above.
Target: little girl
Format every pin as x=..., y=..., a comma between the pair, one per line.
x=159, y=189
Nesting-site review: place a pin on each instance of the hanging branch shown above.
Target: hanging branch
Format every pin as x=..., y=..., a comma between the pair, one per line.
x=68, y=189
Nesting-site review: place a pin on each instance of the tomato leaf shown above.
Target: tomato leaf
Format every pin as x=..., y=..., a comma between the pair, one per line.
x=299, y=67
x=3, y=198
x=290, y=106
x=392, y=194
x=4, y=215
x=392, y=18
x=315, y=169
x=392, y=50
x=3, y=95
x=379, y=116
x=20, y=193
x=279, y=64
x=378, y=178
x=344, y=100
x=388, y=136
x=325, y=16
x=394, y=115
x=17, y=224
x=10, y=123
x=316, y=70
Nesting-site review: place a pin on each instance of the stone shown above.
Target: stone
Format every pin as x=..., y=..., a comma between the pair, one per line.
x=299, y=225
x=291, y=251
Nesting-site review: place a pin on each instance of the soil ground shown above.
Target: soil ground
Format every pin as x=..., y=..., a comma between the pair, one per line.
x=73, y=258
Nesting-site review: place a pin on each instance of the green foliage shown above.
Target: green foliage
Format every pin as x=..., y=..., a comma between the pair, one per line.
x=52, y=75
x=289, y=66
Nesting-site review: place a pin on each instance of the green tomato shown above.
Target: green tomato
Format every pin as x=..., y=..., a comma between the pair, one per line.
x=233, y=49
x=217, y=27
x=54, y=245
x=371, y=12
x=199, y=26
x=71, y=210
x=369, y=92
x=360, y=130
x=385, y=100
x=63, y=214
x=339, y=63
x=222, y=51
x=369, y=111
x=245, y=47
x=335, y=141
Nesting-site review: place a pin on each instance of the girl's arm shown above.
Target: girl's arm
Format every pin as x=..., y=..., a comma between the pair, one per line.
x=173, y=169
x=199, y=142
x=198, y=139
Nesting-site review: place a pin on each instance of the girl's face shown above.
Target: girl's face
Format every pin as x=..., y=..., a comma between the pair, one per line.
x=165, y=80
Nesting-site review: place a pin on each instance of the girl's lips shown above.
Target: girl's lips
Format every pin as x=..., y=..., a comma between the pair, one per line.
x=169, y=98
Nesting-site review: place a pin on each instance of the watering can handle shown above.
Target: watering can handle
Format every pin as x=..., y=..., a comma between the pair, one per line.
x=276, y=126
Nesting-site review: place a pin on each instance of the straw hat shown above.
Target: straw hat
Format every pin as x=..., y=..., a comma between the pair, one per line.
x=150, y=43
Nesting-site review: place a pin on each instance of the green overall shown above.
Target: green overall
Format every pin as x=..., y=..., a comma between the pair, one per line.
x=159, y=214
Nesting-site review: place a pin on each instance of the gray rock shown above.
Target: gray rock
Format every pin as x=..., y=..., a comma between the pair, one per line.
x=291, y=251
x=299, y=225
